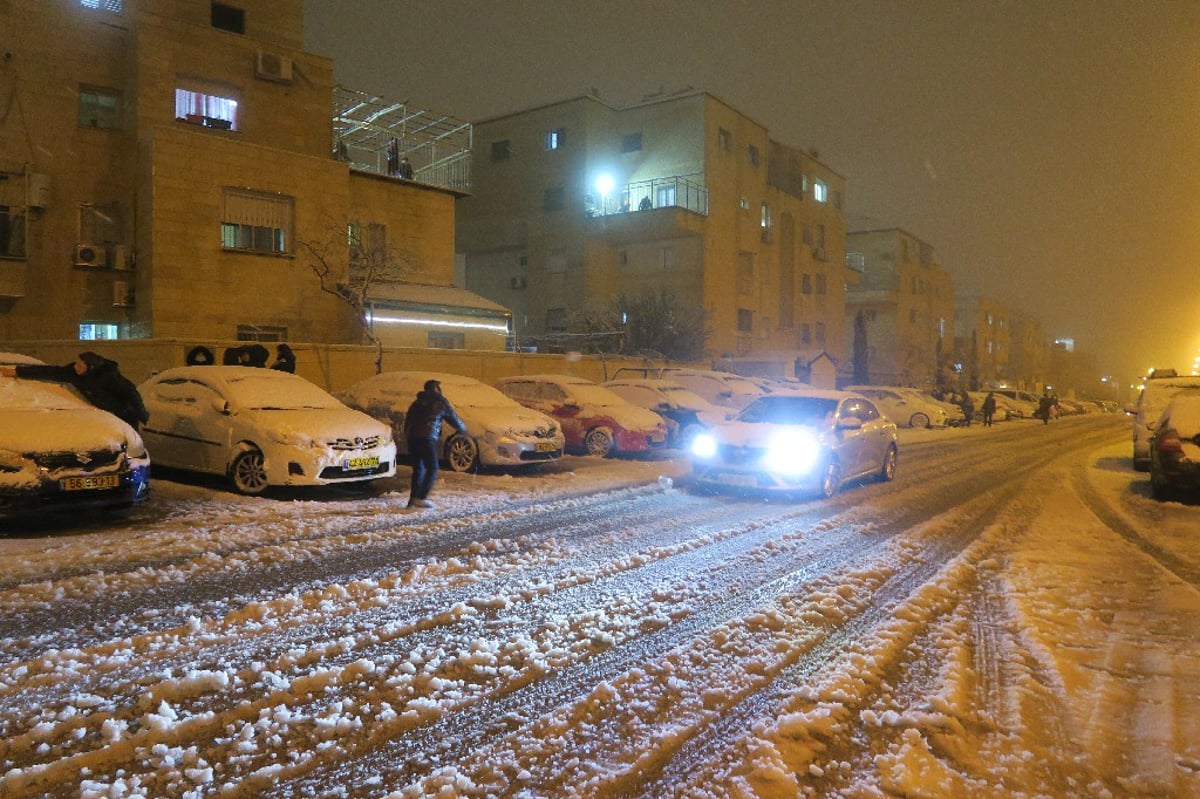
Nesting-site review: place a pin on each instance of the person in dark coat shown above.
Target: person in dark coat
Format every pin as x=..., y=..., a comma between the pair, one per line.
x=1046, y=406
x=968, y=408
x=989, y=408
x=285, y=359
x=99, y=381
x=422, y=431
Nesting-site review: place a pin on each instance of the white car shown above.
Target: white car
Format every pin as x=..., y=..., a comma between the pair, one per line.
x=905, y=407
x=720, y=388
x=685, y=412
x=59, y=452
x=261, y=428
x=1151, y=402
x=500, y=431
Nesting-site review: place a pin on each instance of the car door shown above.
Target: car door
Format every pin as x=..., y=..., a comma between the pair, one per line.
x=183, y=431
x=566, y=410
x=858, y=443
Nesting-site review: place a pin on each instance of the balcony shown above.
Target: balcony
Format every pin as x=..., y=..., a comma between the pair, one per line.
x=648, y=209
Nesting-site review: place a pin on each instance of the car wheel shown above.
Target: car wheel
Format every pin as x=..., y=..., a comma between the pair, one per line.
x=1159, y=488
x=831, y=479
x=462, y=453
x=598, y=441
x=919, y=420
x=888, y=470
x=249, y=473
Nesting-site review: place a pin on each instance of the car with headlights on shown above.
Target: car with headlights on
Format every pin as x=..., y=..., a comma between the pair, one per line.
x=261, y=428
x=685, y=412
x=501, y=431
x=1175, y=448
x=814, y=442
x=594, y=420
x=60, y=452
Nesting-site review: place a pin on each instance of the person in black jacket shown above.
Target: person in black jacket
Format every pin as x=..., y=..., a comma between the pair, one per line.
x=285, y=359
x=99, y=381
x=422, y=431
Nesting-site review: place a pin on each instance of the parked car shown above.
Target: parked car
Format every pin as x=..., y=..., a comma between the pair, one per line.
x=58, y=451
x=905, y=408
x=720, y=388
x=1151, y=402
x=594, y=420
x=1175, y=447
x=685, y=412
x=261, y=428
x=1026, y=402
x=500, y=431
x=815, y=441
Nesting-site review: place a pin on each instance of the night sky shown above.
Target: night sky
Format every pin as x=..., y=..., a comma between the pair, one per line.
x=1049, y=151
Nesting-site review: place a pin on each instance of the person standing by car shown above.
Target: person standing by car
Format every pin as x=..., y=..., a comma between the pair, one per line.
x=422, y=431
x=285, y=359
x=988, y=408
x=98, y=379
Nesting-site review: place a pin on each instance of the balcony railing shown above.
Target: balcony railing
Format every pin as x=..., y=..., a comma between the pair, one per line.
x=644, y=195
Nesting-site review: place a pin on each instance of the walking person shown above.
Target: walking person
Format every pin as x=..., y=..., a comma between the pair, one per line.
x=98, y=379
x=988, y=408
x=422, y=431
x=1045, y=406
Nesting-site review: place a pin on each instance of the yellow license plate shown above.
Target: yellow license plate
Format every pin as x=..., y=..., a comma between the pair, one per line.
x=90, y=483
x=546, y=446
x=351, y=464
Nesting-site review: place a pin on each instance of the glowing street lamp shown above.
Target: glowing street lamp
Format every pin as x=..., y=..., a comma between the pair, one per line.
x=604, y=187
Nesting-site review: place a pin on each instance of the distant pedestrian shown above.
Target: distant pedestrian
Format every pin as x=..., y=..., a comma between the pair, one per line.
x=422, y=432
x=1045, y=408
x=285, y=359
x=968, y=408
x=98, y=379
x=988, y=408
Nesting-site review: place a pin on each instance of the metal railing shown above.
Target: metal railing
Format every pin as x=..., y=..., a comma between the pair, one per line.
x=644, y=195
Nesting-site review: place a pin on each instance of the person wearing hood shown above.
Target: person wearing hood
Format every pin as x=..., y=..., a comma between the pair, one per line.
x=422, y=431
x=285, y=359
x=98, y=379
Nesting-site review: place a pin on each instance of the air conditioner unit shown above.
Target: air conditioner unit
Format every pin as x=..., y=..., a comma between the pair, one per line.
x=91, y=255
x=122, y=294
x=272, y=66
x=517, y=283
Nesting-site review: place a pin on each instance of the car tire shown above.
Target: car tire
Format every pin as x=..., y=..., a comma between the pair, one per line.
x=249, y=473
x=831, y=479
x=462, y=453
x=599, y=441
x=919, y=421
x=887, y=472
x=1159, y=488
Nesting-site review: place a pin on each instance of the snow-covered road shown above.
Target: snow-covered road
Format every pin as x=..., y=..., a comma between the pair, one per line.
x=1012, y=616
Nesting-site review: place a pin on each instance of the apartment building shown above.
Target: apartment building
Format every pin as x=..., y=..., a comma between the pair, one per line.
x=982, y=340
x=578, y=203
x=905, y=302
x=184, y=169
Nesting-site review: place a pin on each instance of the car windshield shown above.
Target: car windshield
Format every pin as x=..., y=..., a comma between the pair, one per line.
x=477, y=395
x=591, y=394
x=684, y=397
x=789, y=410
x=275, y=391
x=37, y=395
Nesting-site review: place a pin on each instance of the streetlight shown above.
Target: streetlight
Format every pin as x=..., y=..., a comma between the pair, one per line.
x=604, y=187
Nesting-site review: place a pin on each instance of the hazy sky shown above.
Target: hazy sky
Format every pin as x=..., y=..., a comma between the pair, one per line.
x=1049, y=151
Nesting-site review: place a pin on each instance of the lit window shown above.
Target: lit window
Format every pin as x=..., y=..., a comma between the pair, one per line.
x=766, y=215
x=554, y=139
x=98, y=331
x=99, y=108
x=256, y=222
x=820, y=191
x=744, y=203
x=664, y=195
x=114, y=6
x=206, y=110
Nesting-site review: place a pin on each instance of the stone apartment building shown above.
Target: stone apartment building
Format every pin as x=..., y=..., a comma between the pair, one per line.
x=579, y=202
x=168, y=168
x=983, y=340
x=906, y=303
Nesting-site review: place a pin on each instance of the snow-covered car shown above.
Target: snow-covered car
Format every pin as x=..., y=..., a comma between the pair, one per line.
x=500, y=431
x=594, y=420
x=905, y=408
x=261, y=428
x=1151, y=402
x=59, y=451
x=685, y=412
x=1175, y=448
x=720, y=388
x=815, y=441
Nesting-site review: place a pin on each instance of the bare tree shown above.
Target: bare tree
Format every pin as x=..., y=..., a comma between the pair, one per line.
x=352, y=263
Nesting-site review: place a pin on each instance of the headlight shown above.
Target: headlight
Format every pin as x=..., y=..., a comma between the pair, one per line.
x=793, y=452
x=704, y=445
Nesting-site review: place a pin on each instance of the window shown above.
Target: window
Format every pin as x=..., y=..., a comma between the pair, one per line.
x=745, y=320
x=368, y=246
x=554, y=199
x=501, y=150
x=439, y=340
x=668, y=257
x=556, y=320
x=744, y=203
x=745, y=273
x=228, y=18
x=766, y=216
x=752, y=154
x=113, y=6
x=554, y=138
x=631, y=142
x=724, y=139
x=261, y=333
x=820, y=191
x=805, y=333
x=806, y=283
x=664, y=196
x=206, y=110
x=99, y=108
x=99, y=223
x=820, y=332
x=820, y=284
x=256, y=222
x=12, y=215
x=98, y=331
x=558, y=260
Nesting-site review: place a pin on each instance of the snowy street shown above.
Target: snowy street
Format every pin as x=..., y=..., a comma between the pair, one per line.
x=1013, y=616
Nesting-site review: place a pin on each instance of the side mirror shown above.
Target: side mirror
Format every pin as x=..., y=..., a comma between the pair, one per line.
x=221, y=406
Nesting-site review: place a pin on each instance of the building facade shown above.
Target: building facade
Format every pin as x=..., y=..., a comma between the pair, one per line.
x=982, y=341
x=577, y=204
x=168, y=168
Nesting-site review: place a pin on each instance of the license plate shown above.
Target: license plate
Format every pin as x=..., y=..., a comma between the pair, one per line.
x=741, y=480
x=546, y=446
x=352, y=464
x=90, y=483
